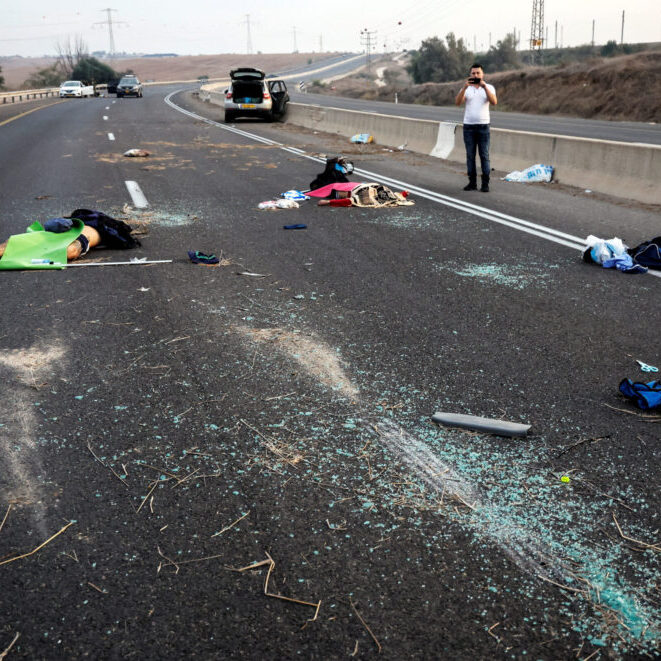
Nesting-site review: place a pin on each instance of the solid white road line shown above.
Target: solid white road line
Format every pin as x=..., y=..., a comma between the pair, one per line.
x=541, y=231
x=138, y=197
x=111, y=136
x=137, y=262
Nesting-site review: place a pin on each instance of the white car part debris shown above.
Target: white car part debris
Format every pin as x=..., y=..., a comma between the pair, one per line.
x=253, y=275
x=498, y=427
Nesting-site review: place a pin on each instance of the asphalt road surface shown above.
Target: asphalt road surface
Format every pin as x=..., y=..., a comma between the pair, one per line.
x=238, y=461
x=332, y=66
x=639, y=132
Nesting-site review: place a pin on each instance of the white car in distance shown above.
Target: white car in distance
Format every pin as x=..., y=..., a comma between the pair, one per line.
x=74, y=88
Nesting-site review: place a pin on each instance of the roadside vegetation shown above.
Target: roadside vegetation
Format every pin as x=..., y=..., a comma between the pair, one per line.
x=438, y=61
x=73, y=62
x=583, y=82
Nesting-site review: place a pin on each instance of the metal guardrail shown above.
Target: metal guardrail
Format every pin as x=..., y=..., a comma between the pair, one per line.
x=25, y=95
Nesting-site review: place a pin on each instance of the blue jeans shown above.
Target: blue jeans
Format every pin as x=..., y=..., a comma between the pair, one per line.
x=477, y=136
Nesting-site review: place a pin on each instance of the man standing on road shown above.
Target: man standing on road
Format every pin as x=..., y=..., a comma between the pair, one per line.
x=478, y=95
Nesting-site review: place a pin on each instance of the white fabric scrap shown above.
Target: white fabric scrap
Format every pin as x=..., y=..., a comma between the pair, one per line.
x=268, y=204
x=287, y=204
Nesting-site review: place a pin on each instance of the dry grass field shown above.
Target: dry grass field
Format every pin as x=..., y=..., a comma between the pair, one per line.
x=183, y=67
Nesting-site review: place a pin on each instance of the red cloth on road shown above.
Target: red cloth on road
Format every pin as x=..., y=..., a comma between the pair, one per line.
x=325, y=191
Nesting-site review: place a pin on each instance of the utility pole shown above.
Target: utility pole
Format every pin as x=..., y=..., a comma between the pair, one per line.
x=537, y=30
x=321, y=44
x=622, y=33
x=489, y=40
x=556, y=34
x=248, y=38
x=109, y=23
x=367, y=39
x=295, y=45
x=593, y=33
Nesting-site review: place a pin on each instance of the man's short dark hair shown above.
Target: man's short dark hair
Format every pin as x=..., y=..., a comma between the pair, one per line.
x=477, y=65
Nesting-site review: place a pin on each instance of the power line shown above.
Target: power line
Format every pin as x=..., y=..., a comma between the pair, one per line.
x=537, y=30
x=248, y=38
x=109, y=23
x=367, y=39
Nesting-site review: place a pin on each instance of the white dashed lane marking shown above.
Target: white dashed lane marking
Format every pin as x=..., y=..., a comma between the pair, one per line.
x=111, y=136
x=138, y=197
x=105, y=118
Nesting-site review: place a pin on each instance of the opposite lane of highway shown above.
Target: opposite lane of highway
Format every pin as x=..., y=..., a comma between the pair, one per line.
x=572, y=126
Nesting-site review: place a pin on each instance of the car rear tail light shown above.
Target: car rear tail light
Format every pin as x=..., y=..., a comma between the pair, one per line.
x=228, y=95
x=267, y=95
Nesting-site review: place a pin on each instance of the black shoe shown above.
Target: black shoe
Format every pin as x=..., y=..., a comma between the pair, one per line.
x=472, y=185
x=484, y=188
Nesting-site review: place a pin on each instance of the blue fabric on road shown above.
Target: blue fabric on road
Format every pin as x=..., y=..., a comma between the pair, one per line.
x=645, y=395
x=198, y=257
x=58, y=225
x=648, y=253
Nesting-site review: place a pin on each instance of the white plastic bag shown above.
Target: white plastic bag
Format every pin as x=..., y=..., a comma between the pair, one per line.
x=362, y=138
x=294, y=195
x=602, y=250
x=534, y=173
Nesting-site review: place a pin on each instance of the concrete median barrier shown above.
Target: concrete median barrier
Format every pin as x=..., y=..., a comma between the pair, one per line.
x=621, y=169
x=418, y=135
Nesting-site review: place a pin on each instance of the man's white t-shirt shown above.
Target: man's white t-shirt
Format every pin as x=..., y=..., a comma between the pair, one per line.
x=477, y=105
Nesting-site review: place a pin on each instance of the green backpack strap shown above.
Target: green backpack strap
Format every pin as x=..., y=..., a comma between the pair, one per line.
x=38, y=249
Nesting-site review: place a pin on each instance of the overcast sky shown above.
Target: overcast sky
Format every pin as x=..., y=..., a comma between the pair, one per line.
x=34, y=27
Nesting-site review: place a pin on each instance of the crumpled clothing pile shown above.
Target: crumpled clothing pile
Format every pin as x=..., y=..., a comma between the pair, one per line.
x=611, y=253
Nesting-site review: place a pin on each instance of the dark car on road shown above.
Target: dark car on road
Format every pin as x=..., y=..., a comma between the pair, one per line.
x=129, y=86
x=250, y=94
